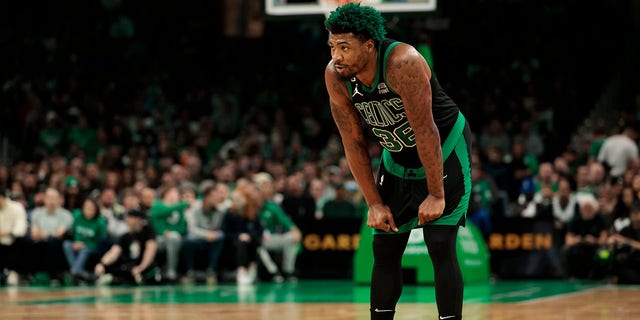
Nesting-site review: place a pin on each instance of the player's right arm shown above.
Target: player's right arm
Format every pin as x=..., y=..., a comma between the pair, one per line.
x=356, y=150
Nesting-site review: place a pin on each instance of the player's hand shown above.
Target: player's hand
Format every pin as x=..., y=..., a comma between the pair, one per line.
x=430, y=209
x=380, y=217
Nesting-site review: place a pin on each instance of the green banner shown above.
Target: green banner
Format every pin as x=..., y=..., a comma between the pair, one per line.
x=473, y=256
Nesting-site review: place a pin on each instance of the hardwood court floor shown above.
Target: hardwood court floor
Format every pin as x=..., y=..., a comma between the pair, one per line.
x=317, y=299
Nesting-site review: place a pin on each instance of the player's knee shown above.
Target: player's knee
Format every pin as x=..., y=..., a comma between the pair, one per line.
x=440, y=240
x=386, y=251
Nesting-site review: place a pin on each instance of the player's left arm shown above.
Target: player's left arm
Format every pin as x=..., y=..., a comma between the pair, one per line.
x=408, y=75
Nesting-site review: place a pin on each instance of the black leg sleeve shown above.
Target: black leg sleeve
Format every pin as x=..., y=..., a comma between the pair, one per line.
x=386, y=279
x=449, y=286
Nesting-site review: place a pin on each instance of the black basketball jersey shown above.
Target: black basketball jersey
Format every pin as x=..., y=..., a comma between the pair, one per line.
x=383, y=111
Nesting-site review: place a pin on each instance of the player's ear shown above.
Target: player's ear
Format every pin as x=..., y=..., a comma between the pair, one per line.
x=369, y=45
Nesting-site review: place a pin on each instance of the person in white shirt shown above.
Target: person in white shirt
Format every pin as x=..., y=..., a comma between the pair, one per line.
x=618, y=151
x=50, y=225
x=13, y=226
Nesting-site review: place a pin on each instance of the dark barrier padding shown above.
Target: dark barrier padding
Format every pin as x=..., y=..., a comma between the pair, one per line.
x=328, y=246
x=525, y=248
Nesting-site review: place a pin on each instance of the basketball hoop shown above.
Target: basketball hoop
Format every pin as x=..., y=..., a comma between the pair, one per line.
x=325, y=7
x=330, y=5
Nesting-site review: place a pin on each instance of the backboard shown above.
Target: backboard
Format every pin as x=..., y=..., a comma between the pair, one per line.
x=317, y=7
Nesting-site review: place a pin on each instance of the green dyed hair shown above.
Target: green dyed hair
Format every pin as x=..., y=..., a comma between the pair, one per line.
x=363, y=21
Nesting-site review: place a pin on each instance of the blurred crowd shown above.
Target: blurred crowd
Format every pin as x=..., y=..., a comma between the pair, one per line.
x=131, y=142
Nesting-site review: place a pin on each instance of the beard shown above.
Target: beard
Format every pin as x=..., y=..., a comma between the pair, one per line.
x=345, y=75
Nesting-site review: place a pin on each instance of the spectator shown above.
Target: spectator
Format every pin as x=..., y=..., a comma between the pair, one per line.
x=265, y=182
x=541, y=206
x=130, y=200
x=618, y=150
x=73, y=197
x=114, y=213
x=480, y=218
x=50, y=226
x=598, y=137
x=132, y=259
x=498, y=171
x=321, y=192
x=280, y=235
x=522, y=166
x=586, y=233
x=13, y=227
x=546, y=175
x=205, y=232
x=484, y=191
x=626, y=242
x=298, y=204
x=340, y=206
x=622, y=208
x=170, y=225
x=242, y=226
x=565, y=207
x=495, y=136
x=89, y=228
x=147, y=198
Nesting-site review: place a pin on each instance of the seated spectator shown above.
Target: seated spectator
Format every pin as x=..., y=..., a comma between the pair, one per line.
x=168, y=220
x=619, y=215
x=586, y=233
x=50, y=225
x=242, y=226
x=297, y=203
x=267, y=185
x=88, y=229
x=480, y=218
x=541, y=206
x=626, y=242
x=132, y=259
x=13, y=227
x=114, y=213
x=565, y=207
x=205, y=233
x=130, y=200
x=147, y=198
x=484, y=191
x=280, y=235
x=340, y=206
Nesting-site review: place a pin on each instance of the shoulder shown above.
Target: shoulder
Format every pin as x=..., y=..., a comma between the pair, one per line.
x=404, y=60
x=16, y=207
x=402, y=52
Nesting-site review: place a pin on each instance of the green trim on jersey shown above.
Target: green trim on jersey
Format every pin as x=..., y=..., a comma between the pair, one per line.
x=376, y=80
x=418, y=173
x=452, y=219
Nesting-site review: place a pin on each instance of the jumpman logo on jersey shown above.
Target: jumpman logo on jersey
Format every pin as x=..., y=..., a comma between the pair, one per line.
x=355, y=91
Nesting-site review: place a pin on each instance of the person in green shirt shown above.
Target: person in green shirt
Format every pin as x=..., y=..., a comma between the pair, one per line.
x=84, y=137
x=87, y=231
x=168, y=220
x=280, y=235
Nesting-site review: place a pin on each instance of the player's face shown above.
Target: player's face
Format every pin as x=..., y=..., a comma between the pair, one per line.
x=348, y=53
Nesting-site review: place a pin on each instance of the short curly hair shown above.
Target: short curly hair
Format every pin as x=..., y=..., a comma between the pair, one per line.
x=364, y=21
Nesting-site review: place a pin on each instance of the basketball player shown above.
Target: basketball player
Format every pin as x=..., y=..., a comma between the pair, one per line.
x=424, y=179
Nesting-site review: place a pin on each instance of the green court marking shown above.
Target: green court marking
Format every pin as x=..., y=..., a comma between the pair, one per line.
x=305, y=291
